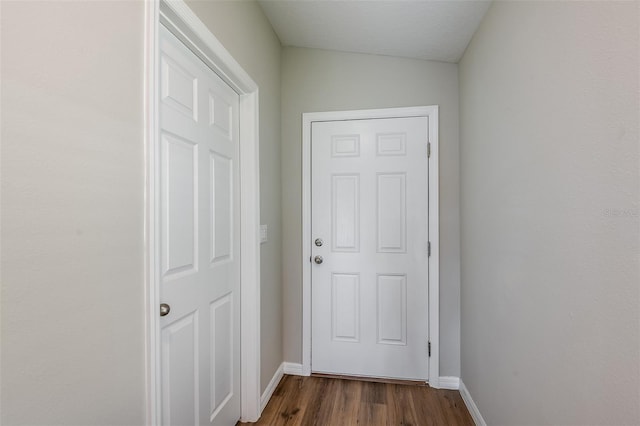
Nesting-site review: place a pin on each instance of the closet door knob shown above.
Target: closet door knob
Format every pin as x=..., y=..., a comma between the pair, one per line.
x=164, y=309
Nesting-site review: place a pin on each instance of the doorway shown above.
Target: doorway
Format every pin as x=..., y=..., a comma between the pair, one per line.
x=240, y=245
x=370, y=243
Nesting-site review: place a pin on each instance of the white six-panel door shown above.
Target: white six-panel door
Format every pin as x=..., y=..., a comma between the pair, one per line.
x=369, y=203
x=199, y=241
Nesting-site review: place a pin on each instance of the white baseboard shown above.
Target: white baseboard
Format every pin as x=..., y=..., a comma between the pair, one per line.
x=273, y=384
x=293, y=369
x=449, y=382
x=471, y=405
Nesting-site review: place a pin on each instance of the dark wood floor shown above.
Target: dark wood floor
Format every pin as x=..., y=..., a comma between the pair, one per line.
x=335, y=402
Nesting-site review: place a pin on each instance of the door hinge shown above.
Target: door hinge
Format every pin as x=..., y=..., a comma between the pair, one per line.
x=428, y=149
x=429, y=249
x=429, y=345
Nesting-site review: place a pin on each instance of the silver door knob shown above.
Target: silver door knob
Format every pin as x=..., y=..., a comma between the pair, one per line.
x=164, y=309
x=318, y=242
x=318, y=259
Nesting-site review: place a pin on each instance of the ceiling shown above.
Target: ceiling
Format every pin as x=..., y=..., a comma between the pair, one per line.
x=423, y=29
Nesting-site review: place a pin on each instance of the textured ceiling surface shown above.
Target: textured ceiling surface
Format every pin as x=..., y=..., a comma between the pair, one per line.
x=423, y=29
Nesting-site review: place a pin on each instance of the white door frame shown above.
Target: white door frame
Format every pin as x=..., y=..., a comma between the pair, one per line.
x=434, y=277
x=184, y=24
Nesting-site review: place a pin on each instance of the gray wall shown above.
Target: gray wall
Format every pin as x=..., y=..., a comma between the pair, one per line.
x=246, y=33
x=318, y=80
x=72, y=213
x=549, y=202
x=72, y=180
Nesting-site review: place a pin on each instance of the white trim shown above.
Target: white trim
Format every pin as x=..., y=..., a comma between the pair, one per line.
x=294, y=369
x=152, y=340
x=271, y=387
x=250, y=259
x=434, y=238
x=471, y=405
x=449, y=382
x=434, y=277
x=182, y=22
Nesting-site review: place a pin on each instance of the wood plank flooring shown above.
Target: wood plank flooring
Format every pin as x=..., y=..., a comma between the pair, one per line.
x=335, y=402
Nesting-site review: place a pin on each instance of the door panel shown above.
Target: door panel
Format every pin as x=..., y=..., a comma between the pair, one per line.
x=180, y=371
x=391, y=208
x=180, y=205
x=221, y=207
x=345, y=307
x=199, y=241
x=221, y=314
x=369, y=206
x=392, y=309
x=345, y=200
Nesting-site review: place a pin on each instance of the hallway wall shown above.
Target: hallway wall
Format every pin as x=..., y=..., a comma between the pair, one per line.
x=549, y=113
x=318, y=80
x=72, y=325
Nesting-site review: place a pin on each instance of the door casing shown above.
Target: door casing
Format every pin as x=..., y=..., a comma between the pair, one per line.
x=434, y=276
x=182, y=22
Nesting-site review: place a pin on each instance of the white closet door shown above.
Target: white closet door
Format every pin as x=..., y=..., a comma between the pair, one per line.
x=199, y=241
